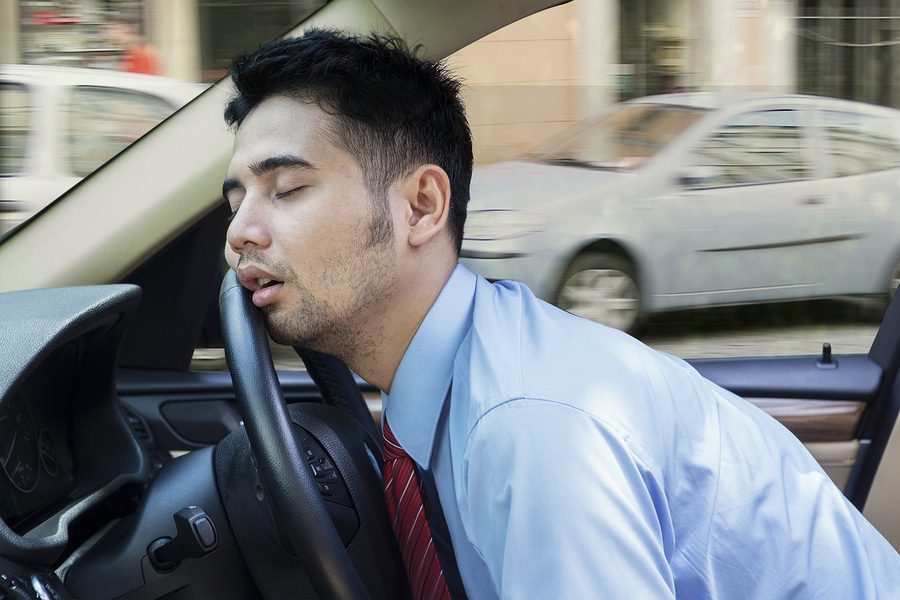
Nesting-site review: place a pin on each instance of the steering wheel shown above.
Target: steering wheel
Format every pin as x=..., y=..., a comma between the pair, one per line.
x=294, y=497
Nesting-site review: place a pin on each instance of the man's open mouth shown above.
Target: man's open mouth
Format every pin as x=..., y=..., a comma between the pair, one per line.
x=267, y=291
x=263, y=283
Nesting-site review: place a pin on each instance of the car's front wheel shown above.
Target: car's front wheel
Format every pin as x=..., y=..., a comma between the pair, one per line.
x=603, y=288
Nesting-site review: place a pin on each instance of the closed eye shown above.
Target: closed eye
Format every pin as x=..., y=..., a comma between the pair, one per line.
x=289, y=192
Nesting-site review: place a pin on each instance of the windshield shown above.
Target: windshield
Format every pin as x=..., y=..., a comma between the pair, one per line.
x=622, y=139
x=773, y=231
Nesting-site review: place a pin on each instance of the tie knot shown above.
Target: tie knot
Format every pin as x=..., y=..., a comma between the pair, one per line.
x=392, y=448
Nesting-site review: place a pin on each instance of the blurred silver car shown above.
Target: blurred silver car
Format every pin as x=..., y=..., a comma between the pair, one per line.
x=58, y=124
x=697, y=199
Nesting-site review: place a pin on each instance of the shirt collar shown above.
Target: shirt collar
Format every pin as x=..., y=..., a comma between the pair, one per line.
x=420, y=384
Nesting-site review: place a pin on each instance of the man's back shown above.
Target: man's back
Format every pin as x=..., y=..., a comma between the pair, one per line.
x=574, y=460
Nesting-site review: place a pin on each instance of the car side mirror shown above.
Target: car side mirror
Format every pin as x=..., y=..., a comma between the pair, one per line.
x=699, y=176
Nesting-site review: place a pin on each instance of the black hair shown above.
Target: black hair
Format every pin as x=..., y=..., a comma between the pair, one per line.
x=392, y=110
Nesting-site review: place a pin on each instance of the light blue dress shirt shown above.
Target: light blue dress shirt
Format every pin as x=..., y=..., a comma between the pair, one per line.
x=572, y=461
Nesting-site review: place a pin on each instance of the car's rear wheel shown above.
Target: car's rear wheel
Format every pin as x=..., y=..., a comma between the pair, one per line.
x=603, y=288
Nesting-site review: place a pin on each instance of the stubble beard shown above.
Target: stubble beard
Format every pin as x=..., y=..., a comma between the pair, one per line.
x=366, y=272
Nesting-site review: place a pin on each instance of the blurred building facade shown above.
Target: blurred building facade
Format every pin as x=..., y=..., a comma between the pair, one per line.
x=581, y=56
x=194, y=38
x=588, y=54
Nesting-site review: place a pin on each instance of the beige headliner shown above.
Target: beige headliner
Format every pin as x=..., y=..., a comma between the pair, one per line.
x=123, y=213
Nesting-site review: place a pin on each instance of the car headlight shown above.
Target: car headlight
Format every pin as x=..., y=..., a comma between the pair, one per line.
x=501, y=224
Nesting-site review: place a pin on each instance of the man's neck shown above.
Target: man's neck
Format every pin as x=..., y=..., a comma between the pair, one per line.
x=396, y=327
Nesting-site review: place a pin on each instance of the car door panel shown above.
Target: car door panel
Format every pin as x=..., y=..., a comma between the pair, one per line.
x=844, y=411
x=837, y=459
x=823, y=404
x=851, y=377
x=884, y=495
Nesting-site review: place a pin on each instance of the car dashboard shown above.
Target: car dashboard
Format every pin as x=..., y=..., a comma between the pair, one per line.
x=34, y=442
x=69, y=457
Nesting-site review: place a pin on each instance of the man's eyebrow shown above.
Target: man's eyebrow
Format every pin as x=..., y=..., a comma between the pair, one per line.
x=276, y=162
x=265, y=166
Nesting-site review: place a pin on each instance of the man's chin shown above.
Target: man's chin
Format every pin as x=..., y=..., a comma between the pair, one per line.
x=284, y=335
x=278, y=335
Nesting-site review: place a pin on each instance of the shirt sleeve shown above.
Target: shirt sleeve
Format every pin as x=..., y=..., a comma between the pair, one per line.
x=559, y=507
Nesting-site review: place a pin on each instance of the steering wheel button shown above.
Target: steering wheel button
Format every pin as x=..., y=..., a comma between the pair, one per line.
x=325, y=489
x=322, y=470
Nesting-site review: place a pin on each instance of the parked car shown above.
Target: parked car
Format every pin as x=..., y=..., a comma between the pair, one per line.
x=697, y=199
x=58, y=124
x=104, y=295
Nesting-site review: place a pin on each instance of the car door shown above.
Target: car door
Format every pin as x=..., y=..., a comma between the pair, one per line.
x=751, y=214
x=843, y=408
x=860, y=149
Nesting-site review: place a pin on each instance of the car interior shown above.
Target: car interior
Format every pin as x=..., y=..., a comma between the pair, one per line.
x=131, y=473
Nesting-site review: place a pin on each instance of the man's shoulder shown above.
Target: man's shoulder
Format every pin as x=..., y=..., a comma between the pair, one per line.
x=522, y=347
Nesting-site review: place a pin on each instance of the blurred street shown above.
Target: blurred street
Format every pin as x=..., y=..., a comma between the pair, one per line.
x=789, y=329
x=798, y=328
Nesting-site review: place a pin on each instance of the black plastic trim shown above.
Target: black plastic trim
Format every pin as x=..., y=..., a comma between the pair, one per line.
x=147, y=392
x=855, y=377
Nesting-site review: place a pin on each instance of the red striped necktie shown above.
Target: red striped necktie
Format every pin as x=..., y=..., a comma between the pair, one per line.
x=407, y=507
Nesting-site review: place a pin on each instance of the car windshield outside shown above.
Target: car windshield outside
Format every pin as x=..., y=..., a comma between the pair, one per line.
x=81, y=81
x=761, y=221
x=621, y=140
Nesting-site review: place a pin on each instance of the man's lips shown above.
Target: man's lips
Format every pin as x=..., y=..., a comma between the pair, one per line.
x=266, y=295
x=264, y=285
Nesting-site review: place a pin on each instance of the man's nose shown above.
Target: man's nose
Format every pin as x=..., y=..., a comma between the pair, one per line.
x=249, y=227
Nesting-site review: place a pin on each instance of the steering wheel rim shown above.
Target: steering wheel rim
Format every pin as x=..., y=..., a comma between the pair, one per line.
x=292, y=492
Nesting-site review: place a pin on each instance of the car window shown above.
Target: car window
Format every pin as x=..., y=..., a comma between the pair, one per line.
x=103, y=85
x=541, y=84
x=537, y=83
x=103, y=121
x=757, y=147
x=623, y=139
x=858, y=143
x=15, y=127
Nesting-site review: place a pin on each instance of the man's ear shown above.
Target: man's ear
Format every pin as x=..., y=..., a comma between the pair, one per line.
x=427, y=194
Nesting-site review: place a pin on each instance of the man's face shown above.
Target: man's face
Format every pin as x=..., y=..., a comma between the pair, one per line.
x=302, y=237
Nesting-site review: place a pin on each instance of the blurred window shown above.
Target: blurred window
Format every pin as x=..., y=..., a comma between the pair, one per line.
x=758, y=147
x=103, y=121
x=858, y=143
x=621, y=140
x=15, y=127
